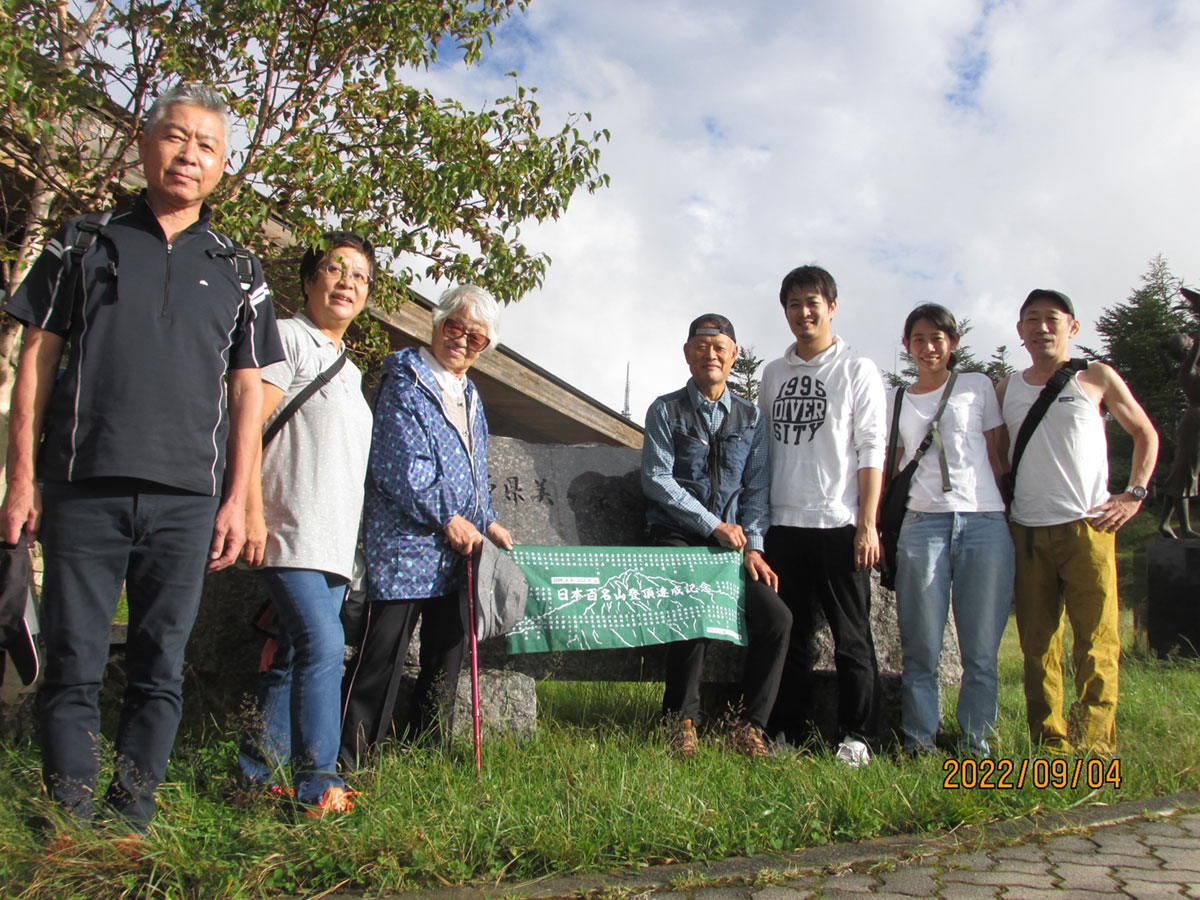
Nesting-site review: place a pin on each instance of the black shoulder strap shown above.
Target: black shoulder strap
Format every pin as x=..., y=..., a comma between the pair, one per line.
x=889, y=461
x=242, y=261
x=90, y=227
x=243, y=269
x=1033, y=418
x=311, y=388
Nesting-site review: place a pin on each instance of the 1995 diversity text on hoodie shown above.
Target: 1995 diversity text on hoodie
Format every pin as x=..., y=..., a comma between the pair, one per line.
x=825, y=421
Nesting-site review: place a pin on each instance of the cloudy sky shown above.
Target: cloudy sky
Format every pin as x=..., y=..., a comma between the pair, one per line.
x=954, y=151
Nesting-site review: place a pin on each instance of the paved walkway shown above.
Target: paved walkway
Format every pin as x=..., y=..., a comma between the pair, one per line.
x=1147, y=849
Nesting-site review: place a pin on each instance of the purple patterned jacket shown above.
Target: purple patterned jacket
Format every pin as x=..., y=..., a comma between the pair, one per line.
x=420, y=476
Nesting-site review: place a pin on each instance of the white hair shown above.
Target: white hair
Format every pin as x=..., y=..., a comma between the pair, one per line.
x=475, y=302
x=200, y=95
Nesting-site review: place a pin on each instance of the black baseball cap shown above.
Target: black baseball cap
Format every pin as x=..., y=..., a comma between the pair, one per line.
x=1056, y=297
x=711, y=324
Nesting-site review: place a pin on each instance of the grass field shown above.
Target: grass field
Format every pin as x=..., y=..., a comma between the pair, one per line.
x=594, y=790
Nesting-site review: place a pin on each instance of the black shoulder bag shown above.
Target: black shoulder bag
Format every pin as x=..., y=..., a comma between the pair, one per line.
x=896, y=489
x=1058, y=381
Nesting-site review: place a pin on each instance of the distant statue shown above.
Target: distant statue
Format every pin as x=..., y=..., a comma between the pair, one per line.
x=1181, y=484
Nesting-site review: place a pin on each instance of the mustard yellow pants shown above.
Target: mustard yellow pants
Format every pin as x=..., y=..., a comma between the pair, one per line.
x=1069, y=566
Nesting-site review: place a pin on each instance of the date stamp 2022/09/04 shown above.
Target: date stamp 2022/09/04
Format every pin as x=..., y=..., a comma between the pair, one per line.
x=1004, y=774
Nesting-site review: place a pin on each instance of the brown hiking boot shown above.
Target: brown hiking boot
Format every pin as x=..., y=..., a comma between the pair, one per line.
x=748, y=740
x=683, y=740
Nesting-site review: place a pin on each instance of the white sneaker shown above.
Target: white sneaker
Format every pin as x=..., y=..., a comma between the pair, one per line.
x=853, y=753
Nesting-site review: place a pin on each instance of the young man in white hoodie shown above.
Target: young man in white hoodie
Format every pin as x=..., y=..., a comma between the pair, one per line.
x=824, y=406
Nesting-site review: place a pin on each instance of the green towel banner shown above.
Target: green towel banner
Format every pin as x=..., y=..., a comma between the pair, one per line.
x=600, y=598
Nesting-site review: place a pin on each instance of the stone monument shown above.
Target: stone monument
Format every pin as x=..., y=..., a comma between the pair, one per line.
x=591, y=495
x=544, y=494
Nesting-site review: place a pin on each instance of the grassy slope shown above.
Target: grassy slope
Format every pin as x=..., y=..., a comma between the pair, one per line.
x=594, y=790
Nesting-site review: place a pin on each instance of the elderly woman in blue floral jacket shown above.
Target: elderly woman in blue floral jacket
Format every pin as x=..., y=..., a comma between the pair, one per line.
x=427, y=509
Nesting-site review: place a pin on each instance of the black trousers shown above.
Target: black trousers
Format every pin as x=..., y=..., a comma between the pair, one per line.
x=768, y=626
x=816, y=566
x=372, y=681
x=97, y=534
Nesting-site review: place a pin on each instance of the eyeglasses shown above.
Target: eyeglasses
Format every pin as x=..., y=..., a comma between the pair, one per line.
x=334, y=271
x=476, y=340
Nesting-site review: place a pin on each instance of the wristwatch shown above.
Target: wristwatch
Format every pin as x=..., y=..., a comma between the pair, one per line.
x=1139, y=492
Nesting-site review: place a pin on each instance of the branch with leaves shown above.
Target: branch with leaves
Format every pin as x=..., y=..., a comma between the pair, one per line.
x=328, y=131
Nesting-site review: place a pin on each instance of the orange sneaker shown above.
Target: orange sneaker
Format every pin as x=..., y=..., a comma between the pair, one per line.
x=335, y=800
x=683, y=739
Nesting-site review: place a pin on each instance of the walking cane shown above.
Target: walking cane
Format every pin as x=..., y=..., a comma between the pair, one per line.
x=474, y=661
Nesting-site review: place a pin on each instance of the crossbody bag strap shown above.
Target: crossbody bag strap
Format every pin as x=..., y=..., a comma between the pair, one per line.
x=1033, y=418
x=893, y=440
x=935, y=433
x=311, y=388
x=933, y=437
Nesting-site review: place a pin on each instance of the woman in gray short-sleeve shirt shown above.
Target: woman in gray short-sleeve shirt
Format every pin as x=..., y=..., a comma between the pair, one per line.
x=303, y=526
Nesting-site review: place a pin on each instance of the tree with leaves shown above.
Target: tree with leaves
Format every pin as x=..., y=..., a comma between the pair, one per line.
x=328, y=133
x=1130, y=333
x=742, y=377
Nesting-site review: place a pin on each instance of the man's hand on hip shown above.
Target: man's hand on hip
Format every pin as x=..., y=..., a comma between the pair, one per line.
x=1119, y=509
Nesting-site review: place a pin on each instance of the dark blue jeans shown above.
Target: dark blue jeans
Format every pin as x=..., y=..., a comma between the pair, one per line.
x=95, y=535
x=300, y=695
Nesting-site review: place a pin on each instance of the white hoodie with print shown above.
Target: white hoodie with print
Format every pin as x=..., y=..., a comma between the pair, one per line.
x=825, y=421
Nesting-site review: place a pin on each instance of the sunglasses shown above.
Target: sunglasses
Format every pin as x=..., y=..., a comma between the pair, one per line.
x=476, y=340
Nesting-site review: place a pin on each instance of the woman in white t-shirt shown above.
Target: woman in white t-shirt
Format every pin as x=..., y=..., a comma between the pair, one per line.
x=302, y=524
x=954, y=545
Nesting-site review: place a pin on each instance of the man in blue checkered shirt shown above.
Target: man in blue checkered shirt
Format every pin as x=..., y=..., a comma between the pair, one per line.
x=705, y=474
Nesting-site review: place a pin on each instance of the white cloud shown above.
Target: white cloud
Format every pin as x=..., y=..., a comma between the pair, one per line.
x=937, y=150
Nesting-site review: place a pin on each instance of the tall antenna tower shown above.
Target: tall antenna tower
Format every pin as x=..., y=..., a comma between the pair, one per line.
x=625, y=411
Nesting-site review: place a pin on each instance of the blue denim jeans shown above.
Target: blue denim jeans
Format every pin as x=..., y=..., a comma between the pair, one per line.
x=967, y=559
x=299, y=698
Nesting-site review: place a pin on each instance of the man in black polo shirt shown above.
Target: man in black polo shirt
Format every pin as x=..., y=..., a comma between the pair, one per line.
x=167, y=330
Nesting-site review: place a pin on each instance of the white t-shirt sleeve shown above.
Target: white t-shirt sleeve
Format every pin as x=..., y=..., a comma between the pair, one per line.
x=281, y=374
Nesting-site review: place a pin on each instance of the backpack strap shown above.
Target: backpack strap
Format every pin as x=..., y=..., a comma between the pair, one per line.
x=242, y=261
x=1033, y=418
x=90, y=227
